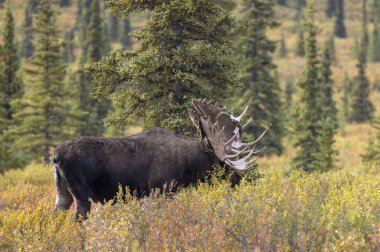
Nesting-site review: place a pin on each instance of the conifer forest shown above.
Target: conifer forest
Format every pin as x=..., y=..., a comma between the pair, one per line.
x=120, y=126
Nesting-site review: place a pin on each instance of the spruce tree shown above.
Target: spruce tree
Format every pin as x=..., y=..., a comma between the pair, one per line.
x=325, y=157
x=365, y=35
x=362, y=108
x=375, y=10
x=261, y=91
x=372, y=154
x=347, y=85
x=328, y=115
x=331, y=45
x=94, y=34
x=79, y=14
x=10, y=86
x=84, y=8
x=125, y=36
x=114, y=33
x=184, y=53
x=106, y=35
x=10, y=89
x=326, y=101
x=95, y=111
x=64, y=3
x=339, y=26
x=330, y=8
x=68, y=50
x=289, y=92
x=27, y=43
x=300, y=45
x=307, y=122
x=288, y=97
x=44, y=116
x=374, y=52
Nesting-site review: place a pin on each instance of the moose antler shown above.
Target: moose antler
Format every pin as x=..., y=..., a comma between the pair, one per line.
x=227, y=149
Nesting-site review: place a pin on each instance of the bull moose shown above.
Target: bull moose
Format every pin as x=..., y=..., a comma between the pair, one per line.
x=93, y=168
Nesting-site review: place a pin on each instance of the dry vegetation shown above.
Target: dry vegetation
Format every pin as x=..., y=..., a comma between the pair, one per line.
x=283, y=211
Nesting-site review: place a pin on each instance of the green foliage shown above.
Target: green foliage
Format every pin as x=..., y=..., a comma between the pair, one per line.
x=327, y=155
x=261, y=91
x=10, y=89
x=96, y=110
x=374, y=51
x=94, y=35
x=346, y=91
x=307, y=111
x=339, y=26
x=326, y=101
x=365, y=35
x=27, y=42
x=330, y=212
x=362, y=108
x=184, y=53
x=315, y=114
x=372, y=155
x=300, y=45
x=328, y=115
x=83, y=23
x=330, y=43
x=10, y=85
x=44, y=115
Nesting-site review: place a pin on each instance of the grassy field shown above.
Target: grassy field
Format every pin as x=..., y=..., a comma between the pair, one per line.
x=283, y=211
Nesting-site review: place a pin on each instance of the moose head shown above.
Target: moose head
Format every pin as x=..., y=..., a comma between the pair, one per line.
x=223, y=131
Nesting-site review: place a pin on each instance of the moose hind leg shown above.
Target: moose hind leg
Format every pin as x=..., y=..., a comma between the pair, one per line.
x=64, y=198
x=81, y=192
x=82, y=207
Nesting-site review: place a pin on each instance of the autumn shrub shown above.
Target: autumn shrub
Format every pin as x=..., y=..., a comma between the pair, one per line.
x=305, y=212
x=30, y=225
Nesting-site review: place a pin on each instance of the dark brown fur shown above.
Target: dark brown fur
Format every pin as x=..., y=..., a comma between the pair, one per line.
x=93, y=168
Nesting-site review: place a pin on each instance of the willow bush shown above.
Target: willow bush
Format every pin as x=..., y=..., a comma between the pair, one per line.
x=306, y=212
